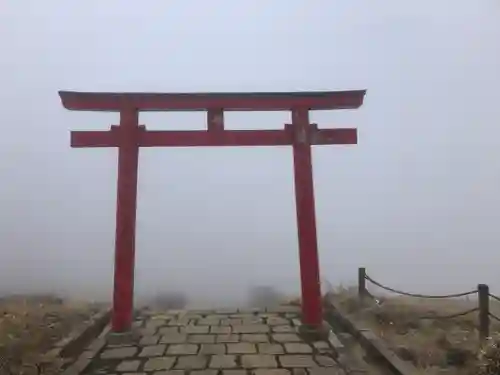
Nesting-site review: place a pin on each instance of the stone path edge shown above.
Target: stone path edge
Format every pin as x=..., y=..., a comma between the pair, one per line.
x=369, y=341
x=77, y=340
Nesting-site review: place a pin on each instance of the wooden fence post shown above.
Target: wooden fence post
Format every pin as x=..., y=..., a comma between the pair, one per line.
x=483, y=292
x=361, y=283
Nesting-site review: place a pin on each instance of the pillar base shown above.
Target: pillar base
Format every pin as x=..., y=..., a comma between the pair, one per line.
x=123, y=338
x=315, y=333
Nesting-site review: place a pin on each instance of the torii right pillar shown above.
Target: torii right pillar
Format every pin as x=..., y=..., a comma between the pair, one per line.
x=303, y=139
x=312, y=315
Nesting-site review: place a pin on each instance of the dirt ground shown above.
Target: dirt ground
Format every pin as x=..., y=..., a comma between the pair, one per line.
x=30, y=325
x=434, y=345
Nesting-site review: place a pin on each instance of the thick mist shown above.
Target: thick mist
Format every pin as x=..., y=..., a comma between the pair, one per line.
x=416, y=201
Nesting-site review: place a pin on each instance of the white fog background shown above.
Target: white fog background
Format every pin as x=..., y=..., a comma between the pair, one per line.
x=417, y=201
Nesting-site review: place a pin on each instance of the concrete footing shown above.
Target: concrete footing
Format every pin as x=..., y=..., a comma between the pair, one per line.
x=123, y=338
x=315, y=333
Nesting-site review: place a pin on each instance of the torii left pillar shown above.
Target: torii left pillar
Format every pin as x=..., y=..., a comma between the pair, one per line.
x=129, y=136
x=126, y=208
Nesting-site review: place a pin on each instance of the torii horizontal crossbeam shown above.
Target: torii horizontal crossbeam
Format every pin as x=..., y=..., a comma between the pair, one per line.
x=256, y=101
x=198, y=138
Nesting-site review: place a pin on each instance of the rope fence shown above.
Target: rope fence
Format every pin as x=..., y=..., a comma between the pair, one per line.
x=449, y=316
x=482, y=309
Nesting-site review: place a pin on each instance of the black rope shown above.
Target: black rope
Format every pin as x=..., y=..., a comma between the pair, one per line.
x=494, y=297
x=419, y=295
x=451, y=316
x=494, y=317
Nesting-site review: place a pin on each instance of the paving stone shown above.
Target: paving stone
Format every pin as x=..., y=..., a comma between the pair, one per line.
x=169, y=372
x=241, y=322
x=217, y=316
x=138, y=324
x=228, y=338
x=149, y=340
x=243, y=316
x=171, y=315
x=155, y=323
x=201, y=312
x=179, y=322
x=201, y=339
x=296, y=322
x=191, y=362
x=119, y=345
x=174, y=338
x=284, y=329
x=223, y=361
x=286, y=337
x=153, y=326
x=160, y=363
x=220, y=330
x=254, y=337
x=335, y=342
x=119, y=352
x=203, y=372
x=164, y=317
x=330, y=371
x=231, y=322
x=195, y=329
x=254, y=328
x=297, y=361
x=193, y=316
x=250, y=321
x=213, y=349
x=322, y=347
x=234, y=372
x=298, y=348
x=153, y=351
x=168, y=331
x=258, y=360
x=148, y=331
x=208, y=322
x=270, y=349
x=278, y=371
x=182, y=349
x=241, y=348
x=128, y=366
x=277, y=321
x=303, y=371
x=325, y=361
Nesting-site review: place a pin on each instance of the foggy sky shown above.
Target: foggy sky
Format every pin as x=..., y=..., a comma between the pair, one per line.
x=416, y=201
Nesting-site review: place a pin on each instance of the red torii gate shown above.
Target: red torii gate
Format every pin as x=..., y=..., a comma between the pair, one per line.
x=128, y=136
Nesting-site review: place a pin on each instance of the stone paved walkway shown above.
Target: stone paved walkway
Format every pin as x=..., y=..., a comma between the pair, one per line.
x=225, y=342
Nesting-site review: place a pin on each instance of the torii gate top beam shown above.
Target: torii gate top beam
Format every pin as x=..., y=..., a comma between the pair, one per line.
x=257, y=101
